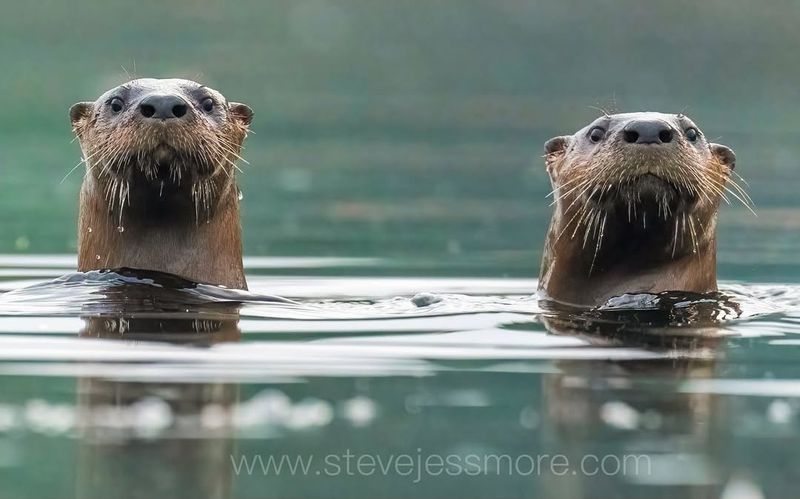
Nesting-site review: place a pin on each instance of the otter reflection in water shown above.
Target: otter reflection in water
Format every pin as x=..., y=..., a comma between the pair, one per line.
x=152, y=438
x=627, y=420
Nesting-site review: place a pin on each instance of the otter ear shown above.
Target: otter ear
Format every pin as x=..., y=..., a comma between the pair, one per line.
x=80, y=111
x=556, y=145
x=724, y=155
x=241, y=112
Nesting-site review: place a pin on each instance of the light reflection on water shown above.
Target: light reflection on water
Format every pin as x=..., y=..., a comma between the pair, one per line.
x=112, y=372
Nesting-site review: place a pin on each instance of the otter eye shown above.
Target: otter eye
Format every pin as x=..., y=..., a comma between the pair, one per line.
x=692, y=134
x=596, y=134
x=116, y=104
x=207, y=104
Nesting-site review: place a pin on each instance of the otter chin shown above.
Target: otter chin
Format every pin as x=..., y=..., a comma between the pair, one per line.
x=160, y=190
x=636, y=201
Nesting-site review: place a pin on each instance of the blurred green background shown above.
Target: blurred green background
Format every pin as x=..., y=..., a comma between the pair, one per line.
x=410, y=129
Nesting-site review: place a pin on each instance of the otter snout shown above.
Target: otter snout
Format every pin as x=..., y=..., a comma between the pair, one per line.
x=163, y=107
x=647, y=132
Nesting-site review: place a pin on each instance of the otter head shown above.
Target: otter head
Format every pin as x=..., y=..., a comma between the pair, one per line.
x=161, y=146
x=636, y=200
x=160, y=191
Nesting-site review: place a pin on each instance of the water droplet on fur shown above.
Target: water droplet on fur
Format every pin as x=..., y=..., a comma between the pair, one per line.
x=97, y=257
x=241, y=195
x=120, y=229
x=89, y=229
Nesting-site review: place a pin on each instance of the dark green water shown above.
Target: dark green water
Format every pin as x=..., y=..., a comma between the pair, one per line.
x=396, y=150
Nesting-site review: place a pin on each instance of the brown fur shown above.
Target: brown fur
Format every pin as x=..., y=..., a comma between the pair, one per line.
x=162, y=195
x=633, y=218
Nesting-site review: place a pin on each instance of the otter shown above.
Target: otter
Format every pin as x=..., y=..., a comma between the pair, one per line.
x=636, y=200
x=160, y=190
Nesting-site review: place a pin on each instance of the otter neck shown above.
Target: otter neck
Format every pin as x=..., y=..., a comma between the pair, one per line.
x=165, y=233
x=619, y=255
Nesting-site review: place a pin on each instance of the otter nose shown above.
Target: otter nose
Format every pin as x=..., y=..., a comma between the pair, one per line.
x=647, y=132
x=163, y=107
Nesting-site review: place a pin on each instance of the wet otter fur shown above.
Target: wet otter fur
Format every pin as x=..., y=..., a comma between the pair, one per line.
x=636, y=201
x=160, y=189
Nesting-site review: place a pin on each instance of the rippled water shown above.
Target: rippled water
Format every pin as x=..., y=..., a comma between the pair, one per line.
x=124, y=383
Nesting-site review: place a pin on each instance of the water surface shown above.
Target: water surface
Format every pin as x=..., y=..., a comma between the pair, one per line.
x=127, y=383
